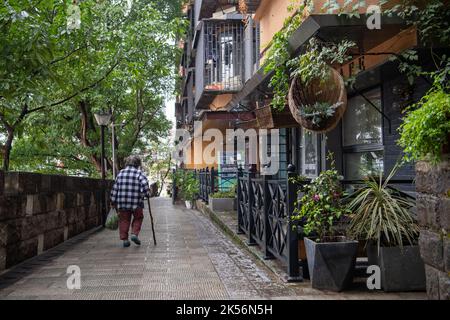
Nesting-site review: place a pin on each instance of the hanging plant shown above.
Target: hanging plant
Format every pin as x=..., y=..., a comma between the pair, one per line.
x=311, y=68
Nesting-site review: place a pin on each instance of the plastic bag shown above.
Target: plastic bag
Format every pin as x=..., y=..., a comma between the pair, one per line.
x=112, y=221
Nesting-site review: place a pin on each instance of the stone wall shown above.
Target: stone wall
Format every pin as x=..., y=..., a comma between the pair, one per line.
x=433, y=208
x=38, y=212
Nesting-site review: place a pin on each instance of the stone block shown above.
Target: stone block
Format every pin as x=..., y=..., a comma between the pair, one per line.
x=51, y=201
x=46, y=183
x=444, y=286
x=70, y=200
x=33, y=226
x=22, y=183
x=432, y=276
x=447, y=253
x=21, y=251
x=71, y=215
x=433, y=179
x=428, y=210
x=431, y=249
x=13, y=231
x=33, y=204
x=3, y=234
x=10, y=207
x=60, y=196
x=82, y=213
x=40, y=248
x=53, y=238
x=56, y=183
x=2, y=182
x=2, y=258
x=444, y=213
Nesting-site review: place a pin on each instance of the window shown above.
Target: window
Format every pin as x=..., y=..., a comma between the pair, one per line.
x=309, y=154
x=363, y=136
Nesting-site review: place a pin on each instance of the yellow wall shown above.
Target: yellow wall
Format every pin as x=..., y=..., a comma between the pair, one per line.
x=398, y=43
x=271, y=14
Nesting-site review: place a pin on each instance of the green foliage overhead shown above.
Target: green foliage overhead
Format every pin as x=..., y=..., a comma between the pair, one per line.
x=426, y=127
x=53, y=79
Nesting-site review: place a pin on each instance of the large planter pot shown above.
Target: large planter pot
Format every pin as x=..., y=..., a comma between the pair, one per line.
x=221, y=204
x=331, y=264
x=401, y=269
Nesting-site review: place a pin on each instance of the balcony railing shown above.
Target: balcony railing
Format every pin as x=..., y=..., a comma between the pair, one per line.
x=223, y=64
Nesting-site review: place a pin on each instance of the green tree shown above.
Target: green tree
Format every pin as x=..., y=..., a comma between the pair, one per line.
x=54, y=79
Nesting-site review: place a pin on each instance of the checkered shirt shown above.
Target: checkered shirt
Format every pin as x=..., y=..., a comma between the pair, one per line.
x=129, y=189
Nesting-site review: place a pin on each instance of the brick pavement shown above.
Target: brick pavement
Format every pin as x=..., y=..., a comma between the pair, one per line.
x=193, y=260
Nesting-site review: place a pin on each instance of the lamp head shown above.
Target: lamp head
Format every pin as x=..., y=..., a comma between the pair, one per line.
x=103, y=119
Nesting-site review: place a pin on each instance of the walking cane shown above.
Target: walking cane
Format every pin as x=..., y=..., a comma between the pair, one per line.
x=151, y=219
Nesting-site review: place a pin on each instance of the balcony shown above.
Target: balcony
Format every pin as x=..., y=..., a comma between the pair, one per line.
x=220, y=59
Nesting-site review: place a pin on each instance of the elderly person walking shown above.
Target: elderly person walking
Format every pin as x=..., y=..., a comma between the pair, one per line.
x=127, y=195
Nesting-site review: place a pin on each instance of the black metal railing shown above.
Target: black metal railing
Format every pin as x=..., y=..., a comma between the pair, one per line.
x=265, y=206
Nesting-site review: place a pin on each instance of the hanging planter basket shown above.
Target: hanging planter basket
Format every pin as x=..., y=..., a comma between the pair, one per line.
x=268, y=118
x=331, y=91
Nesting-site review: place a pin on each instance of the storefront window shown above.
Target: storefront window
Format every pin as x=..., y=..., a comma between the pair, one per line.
x=362, y=122
x=363, y=164
x=362, y=136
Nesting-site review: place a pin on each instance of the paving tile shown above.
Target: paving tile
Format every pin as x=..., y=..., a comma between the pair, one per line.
x=193, y=260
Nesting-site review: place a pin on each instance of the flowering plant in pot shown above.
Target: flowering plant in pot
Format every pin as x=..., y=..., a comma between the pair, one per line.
x=382, y=216
x=331, y=256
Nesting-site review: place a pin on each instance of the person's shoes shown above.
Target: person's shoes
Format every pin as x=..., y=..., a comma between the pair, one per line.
x=126, y=243
x=135, y=239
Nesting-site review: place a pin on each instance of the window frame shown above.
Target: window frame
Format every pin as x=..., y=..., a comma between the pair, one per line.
x=363, y=148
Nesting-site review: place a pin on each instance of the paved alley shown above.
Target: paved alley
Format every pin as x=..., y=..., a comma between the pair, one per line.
x=192, y=260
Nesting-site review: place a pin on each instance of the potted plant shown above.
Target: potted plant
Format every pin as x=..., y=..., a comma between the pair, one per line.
x=330, y=254
x=222, y=201
x=189, y=189
x=382, y=217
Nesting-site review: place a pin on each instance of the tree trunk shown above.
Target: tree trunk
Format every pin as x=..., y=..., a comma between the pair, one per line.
x=8, y=147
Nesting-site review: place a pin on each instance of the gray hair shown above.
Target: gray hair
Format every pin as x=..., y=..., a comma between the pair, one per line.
x=133, y=161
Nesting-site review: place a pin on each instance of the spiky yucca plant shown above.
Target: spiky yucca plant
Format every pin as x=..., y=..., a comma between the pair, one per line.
x=382, y=214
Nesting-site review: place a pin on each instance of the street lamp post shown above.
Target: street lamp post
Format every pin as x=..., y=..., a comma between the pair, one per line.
x=103, y=120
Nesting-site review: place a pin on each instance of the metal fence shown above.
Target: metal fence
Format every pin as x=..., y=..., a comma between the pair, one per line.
x=265, y=207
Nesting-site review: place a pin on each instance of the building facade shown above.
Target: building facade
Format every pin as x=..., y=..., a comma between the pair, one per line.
x=224, y=83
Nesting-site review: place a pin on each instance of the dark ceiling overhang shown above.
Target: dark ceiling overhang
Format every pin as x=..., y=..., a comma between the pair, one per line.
x=327, y=27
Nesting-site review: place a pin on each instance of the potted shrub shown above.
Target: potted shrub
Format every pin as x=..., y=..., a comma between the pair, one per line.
x=382, y=217
x=330, y=254
x=223, y=200
x=189, y=189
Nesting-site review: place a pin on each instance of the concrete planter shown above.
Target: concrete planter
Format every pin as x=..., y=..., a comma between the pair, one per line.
x=331, y=264
x=401, y=270
x=222, y=204
x=189, y=204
